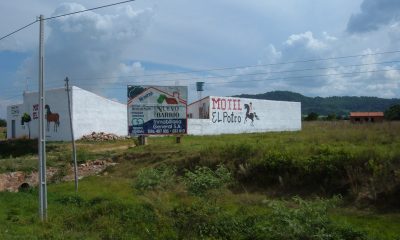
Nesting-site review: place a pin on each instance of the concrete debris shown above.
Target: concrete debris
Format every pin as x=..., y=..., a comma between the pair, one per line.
x=101, y=136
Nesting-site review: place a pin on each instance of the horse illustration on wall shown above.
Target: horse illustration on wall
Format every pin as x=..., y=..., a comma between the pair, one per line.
x=250, y=114
x=52, y=117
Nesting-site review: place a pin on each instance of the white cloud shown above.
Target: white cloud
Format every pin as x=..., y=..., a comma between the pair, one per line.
x=305, y=39
x=91, y=47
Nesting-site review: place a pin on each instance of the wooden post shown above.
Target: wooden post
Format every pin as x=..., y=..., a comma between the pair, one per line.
x=142, y=140
x=178, y=139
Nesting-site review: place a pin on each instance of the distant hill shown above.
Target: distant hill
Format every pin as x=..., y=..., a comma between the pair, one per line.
x=328, y=105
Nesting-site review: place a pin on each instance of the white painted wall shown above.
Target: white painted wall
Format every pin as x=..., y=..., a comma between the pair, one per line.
x=56, y=99
x=93, y=113
x=199, y=109
x=14, y=113
x=228, y=115
x=90, y=113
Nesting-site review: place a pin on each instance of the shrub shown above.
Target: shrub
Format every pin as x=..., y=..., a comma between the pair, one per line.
x=155, y=178
x=204, y=220
x=203, y=179
x=312, y=117
x=393, y=113
x=3, y=123
x=305, y=220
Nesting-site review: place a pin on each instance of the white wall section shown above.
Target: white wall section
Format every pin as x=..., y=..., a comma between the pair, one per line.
x=93, y=113
x=243, y=115
x=90, y=113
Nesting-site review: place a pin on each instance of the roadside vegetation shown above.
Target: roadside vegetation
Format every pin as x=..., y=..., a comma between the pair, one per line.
x=332, y=180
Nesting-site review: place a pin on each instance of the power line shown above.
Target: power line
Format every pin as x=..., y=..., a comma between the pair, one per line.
x=249, y=74
x=265, y=79
x=86, y=10
x=19, y=29
x=245, y=66
x=296, y=77
x=253, y=74
x=63, y=15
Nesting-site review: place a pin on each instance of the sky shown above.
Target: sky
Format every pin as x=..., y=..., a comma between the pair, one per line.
x=316, y=48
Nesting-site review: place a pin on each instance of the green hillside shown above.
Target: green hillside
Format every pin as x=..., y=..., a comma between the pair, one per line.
x=328, y=105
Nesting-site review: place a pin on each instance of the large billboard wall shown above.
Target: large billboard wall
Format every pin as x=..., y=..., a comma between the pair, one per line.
x=157, y=110
x=240, y=115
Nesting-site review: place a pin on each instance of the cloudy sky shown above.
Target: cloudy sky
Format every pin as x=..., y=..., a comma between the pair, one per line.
x=234, y=46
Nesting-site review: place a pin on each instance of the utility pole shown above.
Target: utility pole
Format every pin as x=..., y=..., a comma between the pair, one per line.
x=72, y=136
x=42, y=135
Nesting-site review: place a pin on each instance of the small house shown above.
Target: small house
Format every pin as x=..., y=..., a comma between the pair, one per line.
x=365, y=117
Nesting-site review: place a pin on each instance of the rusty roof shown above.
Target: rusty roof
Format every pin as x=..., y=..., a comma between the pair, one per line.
x=366, y=114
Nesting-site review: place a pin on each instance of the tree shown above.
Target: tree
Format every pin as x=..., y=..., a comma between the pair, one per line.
x=393, y=113
x=26, y=118
x=311, y=117
x=3, y=123
x=331, y=117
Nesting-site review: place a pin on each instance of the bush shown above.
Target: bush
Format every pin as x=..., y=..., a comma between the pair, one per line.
x=204, y=220
x=158, y=178
x=291, y=220
x=203, y=179
x=311, y=116
x=393, y=113
x=18, y=147
x=3, y=123
x=305, y=220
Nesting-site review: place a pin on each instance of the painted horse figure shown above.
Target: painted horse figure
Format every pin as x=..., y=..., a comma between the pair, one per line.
x=52, y=117
x=250, y=115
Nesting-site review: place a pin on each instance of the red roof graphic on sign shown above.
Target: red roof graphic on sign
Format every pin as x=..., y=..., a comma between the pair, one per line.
x=169, y=99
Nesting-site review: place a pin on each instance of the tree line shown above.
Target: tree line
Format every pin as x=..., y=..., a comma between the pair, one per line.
x=340, y=106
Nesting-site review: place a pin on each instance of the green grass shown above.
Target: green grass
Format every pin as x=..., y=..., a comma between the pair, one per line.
x=154, y=191
x=378, y=226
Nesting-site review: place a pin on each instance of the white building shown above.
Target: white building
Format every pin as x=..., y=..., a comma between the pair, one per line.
x=90, y=113
x=221, y=115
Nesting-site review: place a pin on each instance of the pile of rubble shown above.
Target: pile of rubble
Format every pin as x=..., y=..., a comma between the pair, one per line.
x=101, y=136
x=89, y=169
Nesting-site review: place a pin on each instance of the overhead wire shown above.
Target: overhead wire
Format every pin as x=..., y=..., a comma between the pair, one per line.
x=255, y=80
x=230, y=68
x=237, y=75
x=243, y=66
x=86, y=10
x=62, y=15
x=19, y=29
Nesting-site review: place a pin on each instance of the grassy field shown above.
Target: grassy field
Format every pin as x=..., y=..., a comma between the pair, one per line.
x=332, y=180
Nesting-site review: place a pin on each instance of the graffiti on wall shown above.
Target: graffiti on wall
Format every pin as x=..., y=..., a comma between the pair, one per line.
x=52, y=117
x=231, y=110
x=250, y=114
x=35, y=111
x=15, y=111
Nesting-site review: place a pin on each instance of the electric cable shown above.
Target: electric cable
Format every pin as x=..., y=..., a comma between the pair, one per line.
x=248, y=66
x=86, y=10
x=19, y=29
